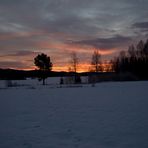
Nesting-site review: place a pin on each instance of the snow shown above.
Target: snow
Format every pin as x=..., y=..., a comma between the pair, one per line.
x=109, y=115
x=52, y=81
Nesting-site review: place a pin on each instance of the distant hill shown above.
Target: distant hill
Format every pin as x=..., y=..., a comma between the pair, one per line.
x=23, y=74
x=13, y=74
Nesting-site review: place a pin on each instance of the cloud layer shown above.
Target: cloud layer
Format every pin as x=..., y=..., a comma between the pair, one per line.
x=58, y=27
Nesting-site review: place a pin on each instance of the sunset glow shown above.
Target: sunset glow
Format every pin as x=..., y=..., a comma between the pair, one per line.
x=58, y=28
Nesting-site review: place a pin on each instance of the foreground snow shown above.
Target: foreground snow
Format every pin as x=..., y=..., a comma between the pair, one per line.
x=109, y=115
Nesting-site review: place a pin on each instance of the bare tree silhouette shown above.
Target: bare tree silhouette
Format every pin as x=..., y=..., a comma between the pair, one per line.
x=74, y=62
x=96, y=61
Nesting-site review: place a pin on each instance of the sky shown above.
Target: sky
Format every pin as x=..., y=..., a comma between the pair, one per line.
x=60, y=27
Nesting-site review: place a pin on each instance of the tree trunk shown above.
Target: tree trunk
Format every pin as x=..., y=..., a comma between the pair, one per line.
x=43, y=81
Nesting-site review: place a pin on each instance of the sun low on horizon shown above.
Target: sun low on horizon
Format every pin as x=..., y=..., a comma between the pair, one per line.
x=60, y=27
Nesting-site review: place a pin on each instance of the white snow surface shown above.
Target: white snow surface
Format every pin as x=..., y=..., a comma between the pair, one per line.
x=109, y=115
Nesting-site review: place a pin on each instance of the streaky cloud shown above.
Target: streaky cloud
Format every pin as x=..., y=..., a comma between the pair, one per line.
x=141, y=25
x=105, y=43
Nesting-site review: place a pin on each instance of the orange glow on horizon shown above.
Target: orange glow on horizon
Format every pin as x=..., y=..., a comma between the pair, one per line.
x=81, y=68
x=59, y=53
x=84, y=68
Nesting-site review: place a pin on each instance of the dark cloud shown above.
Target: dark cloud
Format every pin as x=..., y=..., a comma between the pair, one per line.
x=12, y=64
x=105, y=43
x=13, y=42
x=25, y=53
x=20, y=53
x=73, y=17
x=141, y=25
x=141, y=30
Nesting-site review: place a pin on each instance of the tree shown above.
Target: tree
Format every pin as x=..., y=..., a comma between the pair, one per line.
x=145, y=49
x=74, y=62
x=42, y=61
x=134, y=61
x=140, y=49
x=131, y=51
x=96, y=61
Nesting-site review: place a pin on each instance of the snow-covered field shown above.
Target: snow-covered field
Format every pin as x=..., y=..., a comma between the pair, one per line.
x=109, y=115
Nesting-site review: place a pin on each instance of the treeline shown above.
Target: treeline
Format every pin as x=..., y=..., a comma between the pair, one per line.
x=12, y=74
x=134, y=60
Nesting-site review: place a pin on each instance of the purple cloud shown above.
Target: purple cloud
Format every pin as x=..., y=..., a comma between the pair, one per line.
x=105, y=43
x=141, y=25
